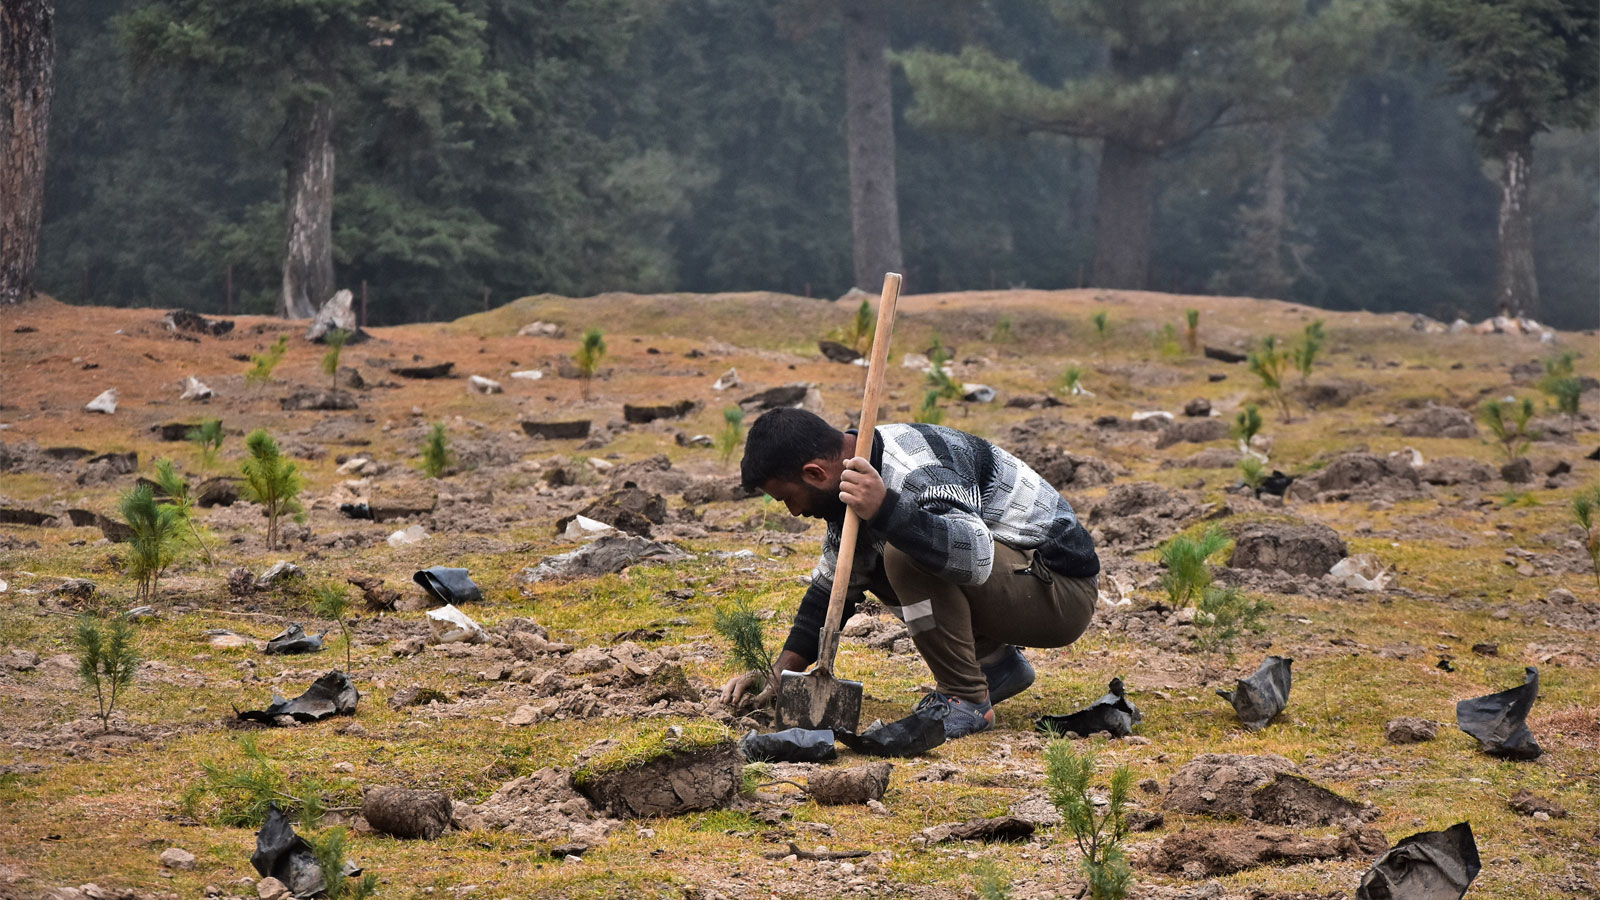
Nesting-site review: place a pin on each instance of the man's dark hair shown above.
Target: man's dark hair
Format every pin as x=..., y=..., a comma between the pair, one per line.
x=782, y=441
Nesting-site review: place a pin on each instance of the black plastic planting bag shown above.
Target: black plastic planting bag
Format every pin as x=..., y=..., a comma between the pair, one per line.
x=791, y=745
x=284, y=855
x=1262, y=696
x=355, y=510
x=914, y=735
x=1499, y=721
x=295, y=640
x=448, y=585
x=1112, y=713
x=332, y=694
x=1432, y=865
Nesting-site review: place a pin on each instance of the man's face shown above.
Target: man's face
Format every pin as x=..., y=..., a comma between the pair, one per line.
x=806, y=499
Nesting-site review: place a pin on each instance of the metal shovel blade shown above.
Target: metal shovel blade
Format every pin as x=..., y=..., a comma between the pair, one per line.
x=816, y=699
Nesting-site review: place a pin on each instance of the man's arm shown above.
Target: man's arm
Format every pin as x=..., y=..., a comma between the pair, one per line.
x=937, y=524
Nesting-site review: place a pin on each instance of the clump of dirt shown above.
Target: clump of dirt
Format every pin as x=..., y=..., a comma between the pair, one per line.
x=1360, y=476
x=683, y=781
x=855, y=785
x=1223, y=784
x=1438, y=421
x=627, y=509
x=1452, y=470
x=1205, y=853
x=1411, y=730
x=1143, y=513
x=1192, y=431
x=544, y=807
x=1308, y=548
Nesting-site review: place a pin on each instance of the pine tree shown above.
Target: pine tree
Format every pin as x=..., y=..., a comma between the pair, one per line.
x=271, y=480
x=27, y=84
x=153, y=543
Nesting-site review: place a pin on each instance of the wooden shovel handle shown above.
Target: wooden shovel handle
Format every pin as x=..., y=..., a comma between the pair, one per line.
x=828, y=643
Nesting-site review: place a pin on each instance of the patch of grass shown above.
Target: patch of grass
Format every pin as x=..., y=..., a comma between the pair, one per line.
x=653, y=744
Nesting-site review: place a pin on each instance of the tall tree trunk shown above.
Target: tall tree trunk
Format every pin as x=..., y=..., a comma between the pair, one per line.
x=869, y=112
x=1516, y=289
x=27, y=72
x=308, y=213
x=1123, y=208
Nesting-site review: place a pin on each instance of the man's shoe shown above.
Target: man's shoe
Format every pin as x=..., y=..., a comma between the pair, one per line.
x=1008, y=677
x=960, y=717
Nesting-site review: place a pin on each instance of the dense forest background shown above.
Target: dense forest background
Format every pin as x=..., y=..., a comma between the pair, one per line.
x=580, y=146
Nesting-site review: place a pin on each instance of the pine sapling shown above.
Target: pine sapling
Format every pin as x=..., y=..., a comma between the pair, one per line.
x=1223, y=614
x=1586, y=509
x=1072, y=381
x=590, y=352
x=153, y=544
x=863, y=329
x=333, y=603
x=1002, y=330
x=335, y=340
x=1098, y=835
x=436, y=454
x=732, y=433
x=1253, y=473
x=107, y=661
x=1102, y=326
x=271, y=480
x=1305, y=355
x=1562, y=383
x=930, y=412
x=1269, y=363
x=243, y=794
x=208, y=437
x=179, y=497
x=1185, y=559
x=262, y=364
x=1191, y=333
x=1508, y=422
x=329, y=849
x=741, y=625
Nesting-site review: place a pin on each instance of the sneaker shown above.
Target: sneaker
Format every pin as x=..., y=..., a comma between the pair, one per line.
x=1008, y=677
x=960, y=717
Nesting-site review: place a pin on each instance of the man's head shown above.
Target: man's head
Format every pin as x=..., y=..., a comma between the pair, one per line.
x=796, y=457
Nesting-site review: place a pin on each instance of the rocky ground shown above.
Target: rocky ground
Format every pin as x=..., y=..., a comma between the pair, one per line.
x=1471, y=577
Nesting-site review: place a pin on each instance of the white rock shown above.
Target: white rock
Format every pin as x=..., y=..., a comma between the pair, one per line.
x=105, y=403
x=977, y=393
x=344, y=767
x=541, y=329
x=271, y=889
x=281, y=571
x=600, y=465
x=526, y=714
x=195, y=389
x=478, y=384
x=916, y=361
x=448, y=625
x=1362, y=572
x=728, y=379
x=408, y=536
x=583, y=528
x=1152, y=414
x=528, y=375
x=176, y=858
x=356, y=465
x=338, y=312
x=227, y=639
x=4, y=585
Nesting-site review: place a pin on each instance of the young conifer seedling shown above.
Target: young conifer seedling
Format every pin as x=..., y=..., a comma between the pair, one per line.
x=436, y=453
x=1586, y=510
x=590, y=352
x=1508, y=421
x=335, y=340
x=153, y=544
x=208, y=437
x=179, y=497
x=333, y=603
x=1247, y=425
x=732, y=433
x=107, y=660
x=271, y=480
x=1099, y=835
x=262, y=364
x=1191, y=332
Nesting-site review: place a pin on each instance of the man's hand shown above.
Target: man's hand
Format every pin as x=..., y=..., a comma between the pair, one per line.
x=741, y=690
x=861, y=488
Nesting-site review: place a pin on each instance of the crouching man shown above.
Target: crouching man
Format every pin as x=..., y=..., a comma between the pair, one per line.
x=975, y=552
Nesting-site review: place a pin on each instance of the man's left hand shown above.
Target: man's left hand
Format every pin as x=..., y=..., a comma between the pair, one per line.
x=861, y=488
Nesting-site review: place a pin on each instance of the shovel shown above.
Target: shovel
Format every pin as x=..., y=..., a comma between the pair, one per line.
x=817, y=699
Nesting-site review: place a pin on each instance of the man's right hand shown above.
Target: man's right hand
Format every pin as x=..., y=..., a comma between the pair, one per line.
x=741, y=689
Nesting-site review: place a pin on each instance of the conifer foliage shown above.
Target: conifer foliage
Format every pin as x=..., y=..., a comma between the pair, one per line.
x=271, y=480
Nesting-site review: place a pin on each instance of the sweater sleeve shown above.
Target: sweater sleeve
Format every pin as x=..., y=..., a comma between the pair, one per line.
x=935, y=520
x=806, y=632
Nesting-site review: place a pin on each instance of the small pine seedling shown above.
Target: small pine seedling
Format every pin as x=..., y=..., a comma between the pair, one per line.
x=1072, y=380
x=1223, y=614
x=1269, y=363
x=1099, y=835
x=1253, y=473
x=732, y=433
x=1247, y=424
x=333, y=603
x=1002, y=330
x=329, y=848
x=107, y=659
x=153, y=545
x=1185, y=558
x=1562, y=384
x=1305, y=355
x=1191, y=333
x=930, y=413
x=244, y=793
x=208, y=436
x=335, y=339
x=741, y=625
x=590, y=352
x=271, y=480
x=1586, y=510
x=862, y=330
x=1508, y=422
x=436, y=455
x=263, y=363
x=1102, y=325
x=176, y=487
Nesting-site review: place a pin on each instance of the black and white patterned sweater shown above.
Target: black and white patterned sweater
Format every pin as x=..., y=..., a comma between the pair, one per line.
x=951, y=495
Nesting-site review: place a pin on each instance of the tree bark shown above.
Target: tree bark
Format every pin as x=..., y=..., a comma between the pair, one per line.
x=869, y=113
x=1516, y=284
x=27, y=72
x=1123, y=209
x=308, y=213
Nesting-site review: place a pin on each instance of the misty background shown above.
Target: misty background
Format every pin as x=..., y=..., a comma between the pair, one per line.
x=583, y=146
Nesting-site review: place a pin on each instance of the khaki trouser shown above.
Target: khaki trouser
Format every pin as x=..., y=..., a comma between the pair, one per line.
x=956, y=625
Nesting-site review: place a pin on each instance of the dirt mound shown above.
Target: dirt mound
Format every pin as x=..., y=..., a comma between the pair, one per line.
x=626, y=509
x=1306, y=549
x=1450, y=470
x=1192, y=431
x=1143, y=513
x=701, y=778
x=1223, y=784
x=1439, y=421
x=855, y=785
x=543, y=807
x=1061, y=468
x=1209, y=458
x=1204, y=853
x=1360, y=476
x=1331, y=393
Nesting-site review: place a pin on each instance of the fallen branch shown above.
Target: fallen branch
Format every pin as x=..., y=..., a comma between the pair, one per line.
x=795, y=851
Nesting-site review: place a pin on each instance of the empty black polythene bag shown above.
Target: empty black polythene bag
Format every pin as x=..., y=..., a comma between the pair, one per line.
x=790, y=745
x=1431, y=865
x=1259, y=698
x=1112, y=713
x=1500, y=721
x=448, y=585
x=295, y=640
x=914, y=735
x=284, y=855
x=332, y=694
